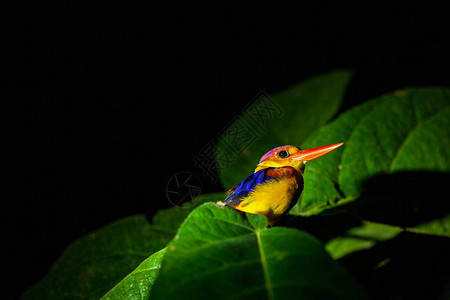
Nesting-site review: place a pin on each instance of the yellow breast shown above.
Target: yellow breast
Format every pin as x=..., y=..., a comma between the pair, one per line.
x=274, y=198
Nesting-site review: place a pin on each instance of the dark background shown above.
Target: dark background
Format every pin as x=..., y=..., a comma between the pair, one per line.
x=109, y=102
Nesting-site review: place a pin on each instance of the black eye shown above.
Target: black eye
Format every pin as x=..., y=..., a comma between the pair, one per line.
x=283, y=154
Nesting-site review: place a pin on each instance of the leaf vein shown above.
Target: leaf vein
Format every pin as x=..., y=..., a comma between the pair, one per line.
x=418, y=125
x=267, y=279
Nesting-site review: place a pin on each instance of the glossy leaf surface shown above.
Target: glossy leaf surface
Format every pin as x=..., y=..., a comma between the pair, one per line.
x=407, y=130
x=219, y=254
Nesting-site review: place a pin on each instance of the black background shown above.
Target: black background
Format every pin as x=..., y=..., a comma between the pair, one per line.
x=108, y=102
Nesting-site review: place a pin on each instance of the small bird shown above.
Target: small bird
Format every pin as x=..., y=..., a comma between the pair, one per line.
x=275, y=186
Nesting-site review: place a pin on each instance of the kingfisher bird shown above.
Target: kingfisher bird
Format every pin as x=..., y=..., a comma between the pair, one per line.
x=276, y=184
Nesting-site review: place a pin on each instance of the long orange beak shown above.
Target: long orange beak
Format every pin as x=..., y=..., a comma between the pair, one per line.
x=313, y=153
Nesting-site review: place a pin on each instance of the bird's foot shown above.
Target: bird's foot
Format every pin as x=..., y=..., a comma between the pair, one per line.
x=220, y=204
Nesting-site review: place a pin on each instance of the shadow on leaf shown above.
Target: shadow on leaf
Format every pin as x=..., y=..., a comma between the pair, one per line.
x=403, y=199
x=322, y=227
x=409, y=266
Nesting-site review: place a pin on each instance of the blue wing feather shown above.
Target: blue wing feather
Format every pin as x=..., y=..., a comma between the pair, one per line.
x=249, y=184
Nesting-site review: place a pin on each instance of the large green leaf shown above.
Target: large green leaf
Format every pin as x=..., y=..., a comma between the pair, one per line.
x=138, y=283
x=93, y=264
x=407, y=130
x=219, y=254
x=321, y=175
x=287, y=117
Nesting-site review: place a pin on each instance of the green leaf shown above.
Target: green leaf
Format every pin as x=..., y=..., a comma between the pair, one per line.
x=287, y=117
x=173, y=217
x=138, y=283
x=407, y=131
x=439, y=226
x=360, y=238
x=321, y=175
x=219, y=254
x=95, y=263
x=402, y=131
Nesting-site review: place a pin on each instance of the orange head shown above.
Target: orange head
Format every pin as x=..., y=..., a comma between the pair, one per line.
x=292, y=156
